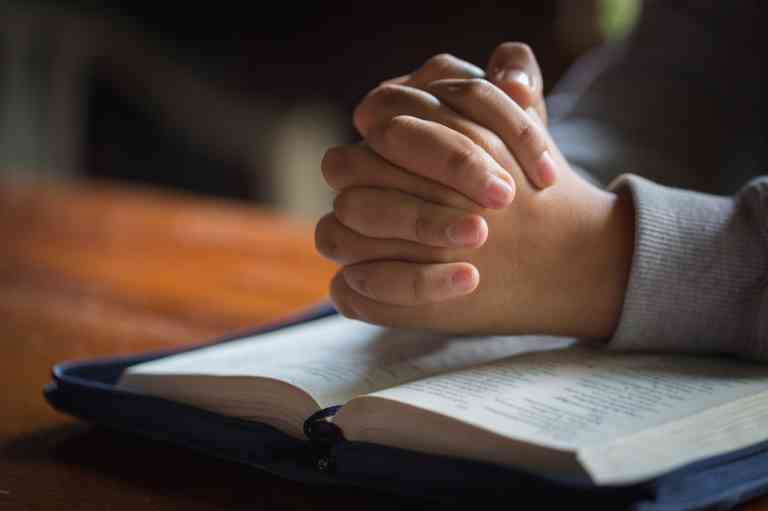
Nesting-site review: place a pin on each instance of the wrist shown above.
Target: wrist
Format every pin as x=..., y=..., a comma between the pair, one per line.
x=612, y=246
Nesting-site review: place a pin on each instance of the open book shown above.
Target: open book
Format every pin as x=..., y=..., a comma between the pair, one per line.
x=547, y=405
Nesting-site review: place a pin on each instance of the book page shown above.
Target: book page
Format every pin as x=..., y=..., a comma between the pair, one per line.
x=335, y=359
x=734, y=425
x=579, y=397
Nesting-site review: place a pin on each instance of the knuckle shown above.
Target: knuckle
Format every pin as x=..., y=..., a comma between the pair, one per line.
x=357, y=209
x=325, y=243
x=382, y=104
x=333, y=162
x=529, y=136
x=440, y=62
x=478, y=89
x=463, y=161
x=347, y=301
x=336, y=243
x=524, y=131
x=396, y=128
x=494, y=145
x=359, y=117
x=386, y=95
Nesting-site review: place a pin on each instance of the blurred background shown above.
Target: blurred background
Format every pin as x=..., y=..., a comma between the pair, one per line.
x=239, y=100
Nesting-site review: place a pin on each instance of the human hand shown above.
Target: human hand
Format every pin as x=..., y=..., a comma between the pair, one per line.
x=557, y=261
x=517, y=73
x=512, y=68
x=485, y=186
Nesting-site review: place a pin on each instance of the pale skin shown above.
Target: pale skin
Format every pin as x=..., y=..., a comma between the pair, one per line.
x=458, y=212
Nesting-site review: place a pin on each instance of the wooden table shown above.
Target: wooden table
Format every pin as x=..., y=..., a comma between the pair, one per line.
x=89, y=270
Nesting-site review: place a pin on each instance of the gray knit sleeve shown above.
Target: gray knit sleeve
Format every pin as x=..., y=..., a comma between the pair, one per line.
x=699, y=277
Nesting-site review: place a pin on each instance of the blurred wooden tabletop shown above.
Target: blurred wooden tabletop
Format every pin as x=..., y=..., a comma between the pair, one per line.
x=93, y=269
x=89, y=270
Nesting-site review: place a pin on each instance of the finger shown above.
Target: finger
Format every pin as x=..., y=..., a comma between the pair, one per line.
x=353, y=305
x=390, y=214
x=443, y=66
x=489, y=106
x=340, y=244
x=387, y=102
x=353, y=166
x=437, y=152
x=409, y=284
x=514, y=69
x=436, y=68
x=399, y=80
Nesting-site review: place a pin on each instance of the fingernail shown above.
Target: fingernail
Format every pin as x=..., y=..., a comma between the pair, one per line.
x=466, y=232
x=463, y=280
x=514, y=75
x=545, y=167
x=498, y=193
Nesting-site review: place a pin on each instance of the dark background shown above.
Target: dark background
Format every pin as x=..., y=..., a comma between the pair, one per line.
x=167, y=94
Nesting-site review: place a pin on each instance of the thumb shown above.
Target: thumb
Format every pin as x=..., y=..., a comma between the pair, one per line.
x=513, y=68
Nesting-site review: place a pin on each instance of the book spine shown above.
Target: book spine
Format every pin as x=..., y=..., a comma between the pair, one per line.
x=323, y=435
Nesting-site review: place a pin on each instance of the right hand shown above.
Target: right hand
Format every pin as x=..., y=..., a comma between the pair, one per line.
x=512, y=68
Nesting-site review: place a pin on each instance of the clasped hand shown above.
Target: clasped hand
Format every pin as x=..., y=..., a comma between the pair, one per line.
x=458, y=212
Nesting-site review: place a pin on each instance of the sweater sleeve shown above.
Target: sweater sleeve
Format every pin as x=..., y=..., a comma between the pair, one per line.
x=699, y=276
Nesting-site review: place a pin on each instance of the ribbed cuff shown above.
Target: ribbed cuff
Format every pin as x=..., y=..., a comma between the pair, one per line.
x=694, y=272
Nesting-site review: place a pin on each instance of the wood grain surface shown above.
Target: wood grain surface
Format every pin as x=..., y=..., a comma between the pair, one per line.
x=89, y=270
x=95, y=269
